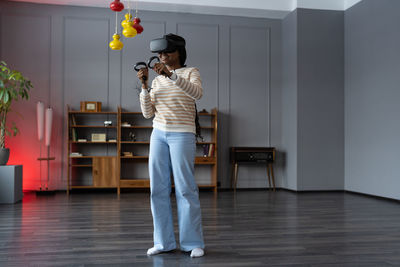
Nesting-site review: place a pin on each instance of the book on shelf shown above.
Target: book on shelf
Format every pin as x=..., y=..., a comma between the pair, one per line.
x=74, y=135
x=73, y=120
x=211, y=150
x=82, y=140
x=208, y=150
x=75, y=154
x=112, y=140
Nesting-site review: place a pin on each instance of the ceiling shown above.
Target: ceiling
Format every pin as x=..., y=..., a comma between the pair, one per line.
x=248, y=8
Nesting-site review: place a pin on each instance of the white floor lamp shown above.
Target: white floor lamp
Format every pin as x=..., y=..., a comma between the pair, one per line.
x=44, y=119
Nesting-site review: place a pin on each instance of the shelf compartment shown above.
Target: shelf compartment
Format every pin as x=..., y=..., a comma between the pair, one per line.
x=134, y=183
x=136, y=142
x=91, y=112
x=89, y=157
x=131, y=112
x=89, y=187
x=136, y=127
x=91, y=142
x=135, y=157
x=93, y=126
x=81, y=165
x=205, y=160
x=205, y=143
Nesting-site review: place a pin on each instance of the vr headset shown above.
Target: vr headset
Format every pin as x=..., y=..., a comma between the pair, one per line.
x=165, y=45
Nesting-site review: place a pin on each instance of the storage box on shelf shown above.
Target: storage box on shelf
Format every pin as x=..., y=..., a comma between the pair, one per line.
x=92, y=149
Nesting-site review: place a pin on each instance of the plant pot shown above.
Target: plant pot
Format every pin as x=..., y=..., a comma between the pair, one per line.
x=4, y=155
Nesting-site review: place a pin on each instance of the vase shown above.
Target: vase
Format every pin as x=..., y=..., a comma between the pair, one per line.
x=4, y=155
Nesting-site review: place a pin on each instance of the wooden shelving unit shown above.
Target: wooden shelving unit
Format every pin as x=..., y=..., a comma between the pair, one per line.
x=132, y=134
x=94, y=169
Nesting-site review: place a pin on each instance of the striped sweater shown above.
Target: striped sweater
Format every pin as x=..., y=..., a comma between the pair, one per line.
x=172, y=103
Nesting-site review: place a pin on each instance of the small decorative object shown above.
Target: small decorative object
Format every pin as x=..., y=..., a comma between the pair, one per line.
x=136, y=22
x=205, y=150
x=137, y=26
x=131, y=27
x=82, y=140
x=107, y=123
x=129, y=31
x=13, y=87
x=49, y=123
x=125, y=124
x=132, y=136
x=127, y=154
x=204, y=111
x=116, y=44
x=40, y=121
x=117, y=6
x=75, y=154
x=90, y=106
x=98, y=137
x=112, y=140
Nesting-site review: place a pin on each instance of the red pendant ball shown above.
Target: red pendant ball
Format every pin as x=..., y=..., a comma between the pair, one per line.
x=137, y=25
x=117, y=6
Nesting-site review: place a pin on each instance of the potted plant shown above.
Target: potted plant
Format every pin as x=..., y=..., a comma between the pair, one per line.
x=13, y=86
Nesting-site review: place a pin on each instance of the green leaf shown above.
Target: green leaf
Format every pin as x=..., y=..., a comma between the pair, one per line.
x=13, y=86
x=14, y=129
x=6, y=97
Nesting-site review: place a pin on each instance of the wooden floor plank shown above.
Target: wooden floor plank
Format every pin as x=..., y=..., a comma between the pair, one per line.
x=246, y=228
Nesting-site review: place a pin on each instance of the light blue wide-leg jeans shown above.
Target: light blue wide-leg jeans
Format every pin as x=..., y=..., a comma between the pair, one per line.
x=176, y=151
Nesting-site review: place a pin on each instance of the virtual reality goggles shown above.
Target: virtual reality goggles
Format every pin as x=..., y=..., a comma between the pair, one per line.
x=165, y=45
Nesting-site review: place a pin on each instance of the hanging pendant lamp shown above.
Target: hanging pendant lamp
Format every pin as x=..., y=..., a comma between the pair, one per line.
x=116, y=6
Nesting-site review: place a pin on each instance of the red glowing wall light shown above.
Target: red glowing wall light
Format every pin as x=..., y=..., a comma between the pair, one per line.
x=25, y=147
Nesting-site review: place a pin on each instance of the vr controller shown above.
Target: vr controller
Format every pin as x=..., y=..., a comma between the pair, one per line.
x=150, y=63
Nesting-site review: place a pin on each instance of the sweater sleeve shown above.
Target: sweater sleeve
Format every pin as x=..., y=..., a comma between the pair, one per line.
x=191, y=86
x=146, y=104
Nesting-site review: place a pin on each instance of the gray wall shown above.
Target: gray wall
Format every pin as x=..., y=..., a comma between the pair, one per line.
x=64, y=50
x=320, y=99
x=313, y=100
x=372, y=110
x=289, y=101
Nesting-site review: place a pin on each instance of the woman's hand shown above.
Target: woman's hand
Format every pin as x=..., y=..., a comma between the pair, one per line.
x=143, y=75
x=161, y=69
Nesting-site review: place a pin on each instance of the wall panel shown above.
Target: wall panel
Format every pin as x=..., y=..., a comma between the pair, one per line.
x=249, y=102
x=203, y=53
x=86, y=60
x=24, y=51
x=249, y=86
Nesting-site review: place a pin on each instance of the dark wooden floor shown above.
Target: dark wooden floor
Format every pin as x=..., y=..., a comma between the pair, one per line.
x=249, y=228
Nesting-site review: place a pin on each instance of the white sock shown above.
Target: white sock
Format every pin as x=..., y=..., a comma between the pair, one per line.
x=197, y=252
x=153, y=251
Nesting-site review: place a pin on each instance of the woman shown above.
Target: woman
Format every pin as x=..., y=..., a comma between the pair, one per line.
x=172, y=147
